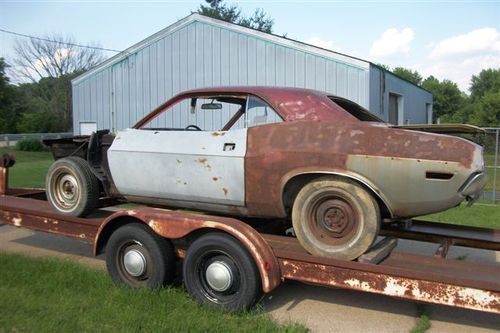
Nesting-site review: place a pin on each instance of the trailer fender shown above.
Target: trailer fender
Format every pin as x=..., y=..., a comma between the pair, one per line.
x=174, y=224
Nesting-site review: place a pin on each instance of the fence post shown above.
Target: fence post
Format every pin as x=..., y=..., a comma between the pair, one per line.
x=495, y=166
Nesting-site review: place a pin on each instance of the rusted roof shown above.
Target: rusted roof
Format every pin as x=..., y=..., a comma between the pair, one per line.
x=290, y=103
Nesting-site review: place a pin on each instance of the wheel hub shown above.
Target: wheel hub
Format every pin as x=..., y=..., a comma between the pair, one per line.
x=68, y=187
x=219, y=276
x=134, y=263
x=335, y=217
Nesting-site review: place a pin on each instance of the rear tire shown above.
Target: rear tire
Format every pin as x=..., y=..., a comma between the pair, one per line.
x=335, y=218
x=71, y=187
x=219, y=272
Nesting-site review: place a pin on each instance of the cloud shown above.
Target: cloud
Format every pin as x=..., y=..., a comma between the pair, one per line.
x=460, y=70
x=325, y=44
x=391, y=42
x=479, y=40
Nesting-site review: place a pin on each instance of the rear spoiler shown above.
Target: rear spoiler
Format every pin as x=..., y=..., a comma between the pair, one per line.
x=444, y=128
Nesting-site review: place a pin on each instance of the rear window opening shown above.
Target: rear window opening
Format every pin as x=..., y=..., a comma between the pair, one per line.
x=356, y=110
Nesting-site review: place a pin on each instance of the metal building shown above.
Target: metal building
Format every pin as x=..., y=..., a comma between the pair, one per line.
x=199, y=51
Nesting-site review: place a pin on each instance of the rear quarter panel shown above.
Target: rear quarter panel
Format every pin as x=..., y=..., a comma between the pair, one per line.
x=392, y=162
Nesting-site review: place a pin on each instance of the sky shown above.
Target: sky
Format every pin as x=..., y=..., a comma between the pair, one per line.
x=448, y=39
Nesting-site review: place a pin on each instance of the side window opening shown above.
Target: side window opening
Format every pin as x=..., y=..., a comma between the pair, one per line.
x=207, y=113
x=260, y=113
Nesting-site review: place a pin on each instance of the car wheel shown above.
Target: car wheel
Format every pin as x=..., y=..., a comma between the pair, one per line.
x=71, y=187
x=219, y=271
x=138, y=257
x=335, y=218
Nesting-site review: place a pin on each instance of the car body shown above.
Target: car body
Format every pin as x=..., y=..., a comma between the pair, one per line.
x=412, y=173
x=253, y=149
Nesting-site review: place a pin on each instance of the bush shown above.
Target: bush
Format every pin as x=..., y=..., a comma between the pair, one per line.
x=30, y=145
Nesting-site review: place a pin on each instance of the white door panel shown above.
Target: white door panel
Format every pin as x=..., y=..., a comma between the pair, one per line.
x=180, y=165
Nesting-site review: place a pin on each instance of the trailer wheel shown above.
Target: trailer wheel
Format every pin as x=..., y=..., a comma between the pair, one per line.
x=71, y=186
x=335, y=218
x=138, y=257
x=219, y=271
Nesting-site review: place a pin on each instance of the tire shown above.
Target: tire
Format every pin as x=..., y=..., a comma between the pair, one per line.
x=151, y=258
x=335, y=218
x=71, y=187
x=238, y=286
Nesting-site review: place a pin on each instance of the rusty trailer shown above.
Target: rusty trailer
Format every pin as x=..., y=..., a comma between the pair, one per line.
x=261, y=260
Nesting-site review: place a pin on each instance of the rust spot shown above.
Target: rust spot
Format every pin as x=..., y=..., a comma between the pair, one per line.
x=215, y=179
x=225, y=190
x=178, y=160
x=218, y=133
x=204, y=162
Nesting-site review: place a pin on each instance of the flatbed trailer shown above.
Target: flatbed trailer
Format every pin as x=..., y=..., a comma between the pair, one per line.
x=274, y=257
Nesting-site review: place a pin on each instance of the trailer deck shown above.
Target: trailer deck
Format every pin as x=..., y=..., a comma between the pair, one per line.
x=433, y=279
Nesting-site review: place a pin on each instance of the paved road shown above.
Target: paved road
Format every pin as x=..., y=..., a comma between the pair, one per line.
x=320, y=309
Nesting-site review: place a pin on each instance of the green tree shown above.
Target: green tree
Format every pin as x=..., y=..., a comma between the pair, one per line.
x=50, y=64
x=447, y=98
x=488, y=80
x=487, y=111
x=384, y=66
x=408, y=74
x=45, y=105
x=8, y=114
x=232, y=13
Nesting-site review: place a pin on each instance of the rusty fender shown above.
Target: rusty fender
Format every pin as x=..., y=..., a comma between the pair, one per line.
x=173, y=225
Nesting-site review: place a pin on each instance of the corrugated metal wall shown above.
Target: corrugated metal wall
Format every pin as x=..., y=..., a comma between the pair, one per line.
x=414, y=99
x=202, y=54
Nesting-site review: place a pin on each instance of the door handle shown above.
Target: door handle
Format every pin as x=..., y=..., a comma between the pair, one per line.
x=229, y=146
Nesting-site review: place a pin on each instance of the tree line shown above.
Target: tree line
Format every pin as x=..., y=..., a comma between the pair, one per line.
x=451, y=105
x=46, y=66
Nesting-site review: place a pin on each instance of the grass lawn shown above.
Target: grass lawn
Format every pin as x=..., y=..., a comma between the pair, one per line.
x=49, y=295
x=31, y=168
x=477, y=216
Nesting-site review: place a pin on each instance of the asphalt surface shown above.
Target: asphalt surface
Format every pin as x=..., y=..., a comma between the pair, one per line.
x=319, y=308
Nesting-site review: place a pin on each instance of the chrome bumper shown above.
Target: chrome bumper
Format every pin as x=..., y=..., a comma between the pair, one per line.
x=471, y=190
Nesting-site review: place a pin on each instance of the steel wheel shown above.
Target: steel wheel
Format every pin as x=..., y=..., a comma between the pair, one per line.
x=219, y=272
x=71, y=187
x=335, y=218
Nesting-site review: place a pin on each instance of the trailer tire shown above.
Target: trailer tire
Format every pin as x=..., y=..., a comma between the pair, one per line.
x=137, y=257
x=335, y=218
x=71, y=187
x=219, y=272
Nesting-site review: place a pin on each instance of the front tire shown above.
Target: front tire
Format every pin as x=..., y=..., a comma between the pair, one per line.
x=219, y=271
x=138, y=257
x=335, y=218
x=71, y=187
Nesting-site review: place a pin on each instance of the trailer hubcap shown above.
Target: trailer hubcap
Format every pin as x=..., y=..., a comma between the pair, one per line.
x=134, y=263
x=219, y=276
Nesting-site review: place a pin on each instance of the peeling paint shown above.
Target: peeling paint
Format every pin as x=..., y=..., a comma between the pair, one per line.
x=17, y=221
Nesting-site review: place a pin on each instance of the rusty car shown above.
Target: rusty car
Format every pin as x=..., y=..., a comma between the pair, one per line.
x=332, y=168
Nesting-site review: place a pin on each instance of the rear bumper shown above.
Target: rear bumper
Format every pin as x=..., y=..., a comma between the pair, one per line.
x=471, y=190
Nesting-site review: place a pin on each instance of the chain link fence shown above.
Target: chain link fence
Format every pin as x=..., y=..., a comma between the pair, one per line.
x=9, y=140
x=491, y=145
